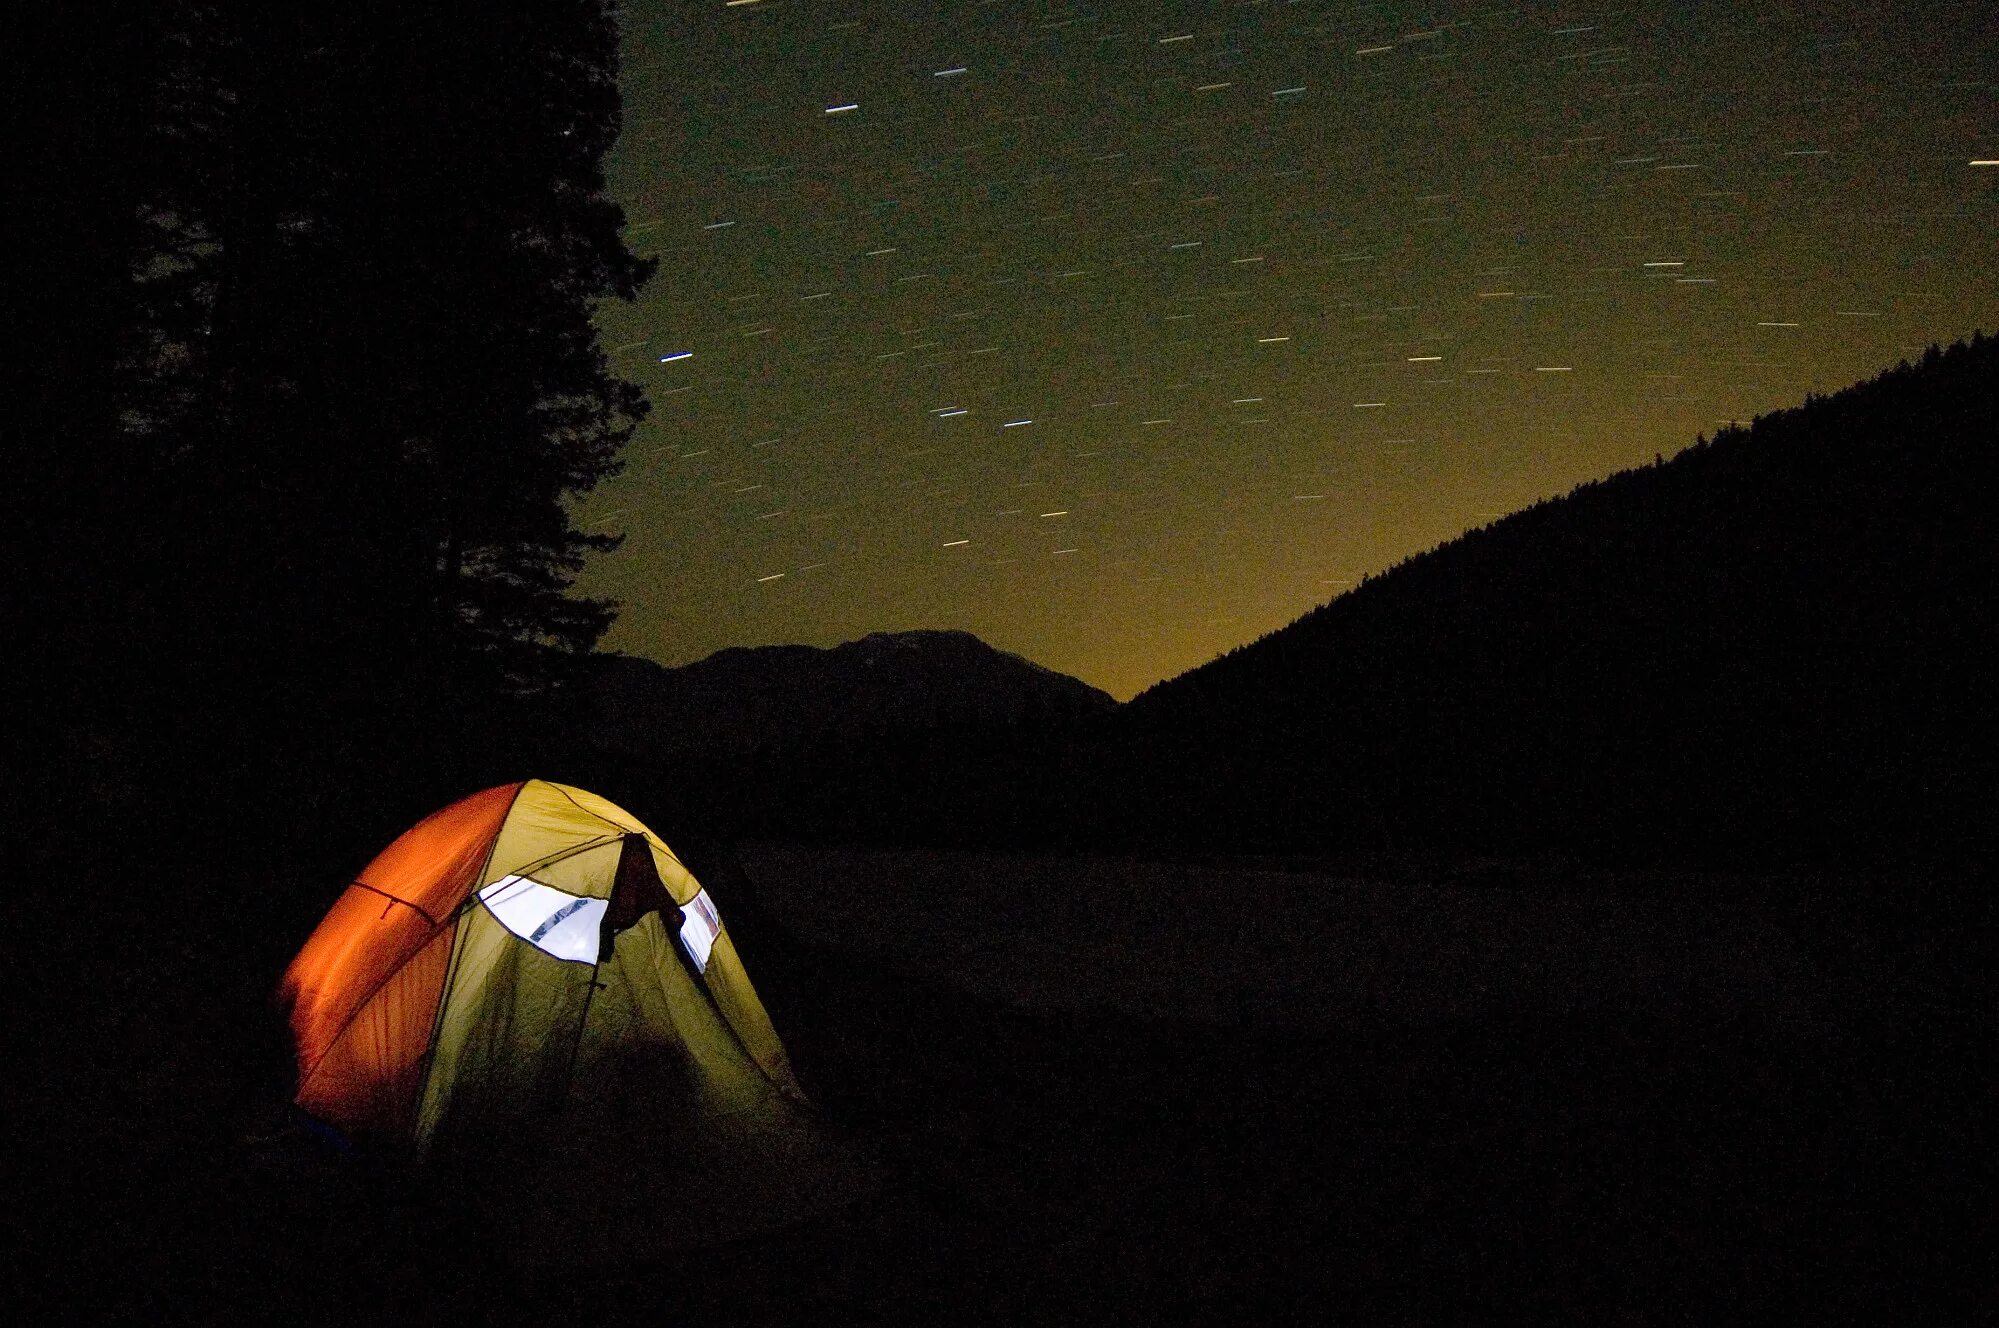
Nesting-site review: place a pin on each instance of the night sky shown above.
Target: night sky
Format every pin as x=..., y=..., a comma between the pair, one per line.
x=1122, y=334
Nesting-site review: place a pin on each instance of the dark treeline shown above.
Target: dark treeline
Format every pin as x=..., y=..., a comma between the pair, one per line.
x=312, y=287
x=1772, y=648
x=1003, y=784
x=900, y=738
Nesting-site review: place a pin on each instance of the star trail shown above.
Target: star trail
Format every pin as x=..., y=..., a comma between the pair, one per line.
x=1122, y=335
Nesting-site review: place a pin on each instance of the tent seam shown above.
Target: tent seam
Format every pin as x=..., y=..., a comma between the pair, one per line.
x=457, y=951
x=373, y=992
x=435, y=927
x=595, y=816
x=394, y=899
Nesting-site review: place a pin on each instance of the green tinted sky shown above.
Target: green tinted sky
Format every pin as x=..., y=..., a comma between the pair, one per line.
x=1123, y=334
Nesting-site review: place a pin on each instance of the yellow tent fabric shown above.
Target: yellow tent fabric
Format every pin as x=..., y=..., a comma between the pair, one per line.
x=507, y=1005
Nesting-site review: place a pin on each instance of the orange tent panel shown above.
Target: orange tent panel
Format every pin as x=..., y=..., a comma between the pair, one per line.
x=367, y=1082
x=354, y=961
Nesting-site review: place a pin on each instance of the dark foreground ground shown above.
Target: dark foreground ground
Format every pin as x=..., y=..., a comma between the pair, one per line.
x=1809, y=1144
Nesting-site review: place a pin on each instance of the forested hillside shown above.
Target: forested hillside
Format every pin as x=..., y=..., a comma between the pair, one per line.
x=1773, y=645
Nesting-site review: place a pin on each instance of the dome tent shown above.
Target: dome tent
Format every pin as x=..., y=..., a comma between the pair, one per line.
x=531, y=973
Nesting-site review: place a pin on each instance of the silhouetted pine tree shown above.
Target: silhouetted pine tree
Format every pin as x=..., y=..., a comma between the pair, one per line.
x=80, y=83
x=367, y=381
x=319, y=381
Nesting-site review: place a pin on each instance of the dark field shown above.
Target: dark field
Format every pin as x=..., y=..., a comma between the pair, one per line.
x=1111, y=1091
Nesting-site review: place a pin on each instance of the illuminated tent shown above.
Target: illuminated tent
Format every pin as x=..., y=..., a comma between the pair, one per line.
x=531, y=973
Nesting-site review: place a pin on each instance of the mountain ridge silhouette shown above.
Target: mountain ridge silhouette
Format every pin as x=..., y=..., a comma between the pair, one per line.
x=748, y=699
x=1766, y=650
x=1768, y=643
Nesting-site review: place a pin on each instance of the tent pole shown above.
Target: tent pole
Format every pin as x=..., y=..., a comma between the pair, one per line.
x=607, y=941
x=576, y=1043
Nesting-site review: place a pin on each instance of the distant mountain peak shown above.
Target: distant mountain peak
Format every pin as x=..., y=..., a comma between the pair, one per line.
x=745, y=698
